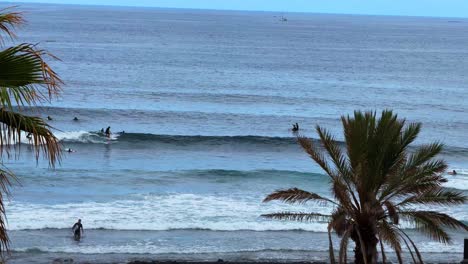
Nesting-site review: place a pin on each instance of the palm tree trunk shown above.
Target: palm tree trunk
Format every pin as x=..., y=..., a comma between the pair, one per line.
x=369, y=240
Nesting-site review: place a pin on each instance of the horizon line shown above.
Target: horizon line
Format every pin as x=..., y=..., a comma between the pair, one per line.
x=227, y=10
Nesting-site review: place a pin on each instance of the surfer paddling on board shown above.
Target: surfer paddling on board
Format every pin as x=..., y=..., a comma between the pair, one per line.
x=453, y=172
x=77, y=230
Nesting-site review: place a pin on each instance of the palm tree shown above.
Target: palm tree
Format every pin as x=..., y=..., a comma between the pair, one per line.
x=25, y=80
x=377, y=181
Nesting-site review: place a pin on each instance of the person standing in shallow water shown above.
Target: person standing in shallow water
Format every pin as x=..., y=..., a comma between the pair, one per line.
x=77, y=230
x=295, y=127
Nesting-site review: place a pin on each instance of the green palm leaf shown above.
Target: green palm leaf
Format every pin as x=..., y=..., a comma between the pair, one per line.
x=431, y=223
x=300, y=217
x=8, y=21
x=25, y=79
x=295, y=195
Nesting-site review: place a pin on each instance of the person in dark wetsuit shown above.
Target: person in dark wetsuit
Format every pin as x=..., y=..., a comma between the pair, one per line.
x=77, y=230
x=295, y=127
x=108, y=132
x=75, y=119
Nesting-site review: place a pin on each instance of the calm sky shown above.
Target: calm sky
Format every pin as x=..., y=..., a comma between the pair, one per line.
x=439, y=8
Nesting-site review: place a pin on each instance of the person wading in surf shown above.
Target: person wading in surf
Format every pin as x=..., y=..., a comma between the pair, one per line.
x=295, y=127
x=77, y=230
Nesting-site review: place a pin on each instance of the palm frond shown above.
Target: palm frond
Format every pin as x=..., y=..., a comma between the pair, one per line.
x=25, y=77
x=300, y=217
x=342, y=195
x=389, y=234
x=7, y=179
x=410, y=134
x=4, y=239
x=13, y=124
x=331, y=251
x=392, y=212
x=343, y=254
x=295, y=195
x=339, y=221
x=382, y=251
x=424, y=154
x=339, y=160
x=437, y=196
x=362, y=245
x=409, y=250
x=431, y=223
x=405, y=236
x=385, y=152
x=415, y=181
x=310, y=148
x=8, y=21
x=335, y=153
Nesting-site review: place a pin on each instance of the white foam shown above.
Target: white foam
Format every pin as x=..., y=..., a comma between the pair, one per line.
x=148, y=248
x=84, y=137
x=172, y=211
x=458, y=181
x=71, y=136
x=161, y=212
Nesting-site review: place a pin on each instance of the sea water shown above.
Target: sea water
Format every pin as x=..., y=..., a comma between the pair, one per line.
x=206, y=100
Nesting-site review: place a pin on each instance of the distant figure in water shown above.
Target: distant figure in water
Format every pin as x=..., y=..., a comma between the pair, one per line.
x=453, y=172
x=102, y=130
x=75, y=119
x=77, y=230
x=49, y=118
x=108, y=132
x=70, y=150
x=29, y=136
x=295, y=127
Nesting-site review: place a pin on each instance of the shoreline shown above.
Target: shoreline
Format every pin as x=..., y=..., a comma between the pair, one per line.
x=315, y=258
x=220, y=261
x=253, y=262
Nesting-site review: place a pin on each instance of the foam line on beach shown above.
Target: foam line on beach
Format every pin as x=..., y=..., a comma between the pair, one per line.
x=171, y=211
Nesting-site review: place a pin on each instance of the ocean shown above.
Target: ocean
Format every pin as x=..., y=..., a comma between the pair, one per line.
x=206, y=100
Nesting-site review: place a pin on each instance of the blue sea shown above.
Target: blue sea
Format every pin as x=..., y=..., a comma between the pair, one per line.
x=206, y=100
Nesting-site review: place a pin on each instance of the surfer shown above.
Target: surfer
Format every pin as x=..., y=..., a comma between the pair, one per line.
x=49, y=118
x=77, y=230
x=75, y=119
x=295, y=127
x=453, y=172
x=29, y=136
x=108, y=132
x=70, y=150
